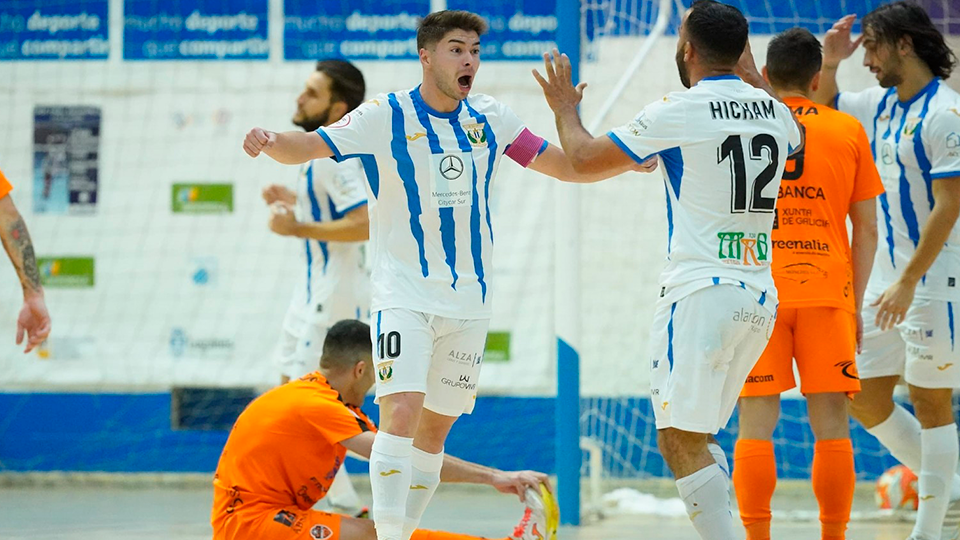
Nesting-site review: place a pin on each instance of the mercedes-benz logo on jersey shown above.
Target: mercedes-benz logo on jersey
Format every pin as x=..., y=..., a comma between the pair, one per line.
x=451, y=167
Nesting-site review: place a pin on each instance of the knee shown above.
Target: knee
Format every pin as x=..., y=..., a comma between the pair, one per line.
x=870, y=412
x=933, y=407
x=675, y=443
x=400, y=414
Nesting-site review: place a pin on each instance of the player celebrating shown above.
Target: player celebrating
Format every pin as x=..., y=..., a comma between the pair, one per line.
x=289, y=444
x=34, y=321
x=820, y=284
x=912, y=120
x=329, y=212
x=717, y=297
x=430, y=155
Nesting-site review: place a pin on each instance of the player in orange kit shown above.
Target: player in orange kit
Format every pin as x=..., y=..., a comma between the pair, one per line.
x=287, y=446
x=821, y=281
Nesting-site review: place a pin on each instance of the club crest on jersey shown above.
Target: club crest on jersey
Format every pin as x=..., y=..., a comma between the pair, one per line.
x=320, y=532
x=385, y=371
x=743, y=249
x=476, y=135
x=910, y=127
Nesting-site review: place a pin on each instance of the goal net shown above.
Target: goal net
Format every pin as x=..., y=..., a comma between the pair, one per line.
x=624, y=238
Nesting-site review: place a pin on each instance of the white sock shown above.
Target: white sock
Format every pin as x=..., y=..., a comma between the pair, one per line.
x=900, y=434
x=341, y=494
x=719, y=457
x=708, y=503
x=941, y=449
x=424, y=479
x=390, y=482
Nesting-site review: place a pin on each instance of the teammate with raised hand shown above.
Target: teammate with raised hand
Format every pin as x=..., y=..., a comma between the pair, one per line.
x=430, y=155
x=913, y=122
x=820, y=281
x=723, y=145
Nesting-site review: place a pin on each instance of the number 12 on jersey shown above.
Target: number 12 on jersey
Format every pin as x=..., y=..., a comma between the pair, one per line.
x=732, y=150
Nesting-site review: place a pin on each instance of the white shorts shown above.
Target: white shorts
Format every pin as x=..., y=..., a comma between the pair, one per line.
x=437, y=356
x=704, y=346
x=922, y=349
x=305, y=328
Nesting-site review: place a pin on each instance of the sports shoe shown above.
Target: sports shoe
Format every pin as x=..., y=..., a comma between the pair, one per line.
x=951, y=522
x=540, y=518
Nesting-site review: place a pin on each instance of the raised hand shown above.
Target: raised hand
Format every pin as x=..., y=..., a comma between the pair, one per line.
x=558, y=86
x=837, y=44
x=258, y=140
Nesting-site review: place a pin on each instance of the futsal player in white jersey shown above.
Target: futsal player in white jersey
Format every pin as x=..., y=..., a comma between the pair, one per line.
x=722, y=145
x=430, y=156
x=327, y=211
x=913, y=122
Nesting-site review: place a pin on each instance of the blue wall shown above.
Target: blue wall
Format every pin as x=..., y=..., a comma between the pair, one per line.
x=132, y=433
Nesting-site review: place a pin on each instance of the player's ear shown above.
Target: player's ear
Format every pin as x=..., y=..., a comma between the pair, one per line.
x=424, y=57
x=905, y=45
x=763, y=71
x=359, y=369
x=815, y=82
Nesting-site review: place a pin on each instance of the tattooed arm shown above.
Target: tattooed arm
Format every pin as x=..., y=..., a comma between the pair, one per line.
x=34, y=321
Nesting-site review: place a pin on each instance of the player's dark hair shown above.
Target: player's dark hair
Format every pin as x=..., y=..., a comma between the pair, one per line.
x=347, y=343
x=437, y=24
x=717, y=31
x=891, y=22
x=346, y=82
x=793, y=59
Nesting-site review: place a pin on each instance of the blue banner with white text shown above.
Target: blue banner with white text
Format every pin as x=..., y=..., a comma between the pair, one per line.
x=54, y=30
x=519, y=29
x=382, y=30
x=195, y=30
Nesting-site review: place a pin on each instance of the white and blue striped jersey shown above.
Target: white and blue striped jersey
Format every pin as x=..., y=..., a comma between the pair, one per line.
x=332, y=275
x=722, y=145
x=429, y=176
x=914, y=143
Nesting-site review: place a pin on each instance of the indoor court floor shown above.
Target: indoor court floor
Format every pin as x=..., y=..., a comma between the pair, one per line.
x=114, y=513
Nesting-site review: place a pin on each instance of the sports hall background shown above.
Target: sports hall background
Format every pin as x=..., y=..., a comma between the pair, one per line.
x=122, y=125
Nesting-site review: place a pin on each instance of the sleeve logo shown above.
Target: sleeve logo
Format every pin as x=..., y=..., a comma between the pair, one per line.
x=341, y=123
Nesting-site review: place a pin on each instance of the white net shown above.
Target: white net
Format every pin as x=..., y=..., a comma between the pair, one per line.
x=624, y=238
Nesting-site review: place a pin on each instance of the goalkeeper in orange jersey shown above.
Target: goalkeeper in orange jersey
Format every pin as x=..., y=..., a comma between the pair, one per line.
x=821, y=279
x=287, y=446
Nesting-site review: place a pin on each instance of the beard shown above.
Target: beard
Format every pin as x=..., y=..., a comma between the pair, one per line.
x=682, y=69
x=889, y=79
x=314, y=123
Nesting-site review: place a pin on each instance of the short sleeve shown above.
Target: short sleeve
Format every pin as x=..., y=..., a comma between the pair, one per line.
x=867, y=183
x=941, y=140
x=345, y=187
x=861, y=105
x=794, y=137
x=5, y=187
x=359, y=129
x=333, y=420
x=658, y=127
x=510, y=124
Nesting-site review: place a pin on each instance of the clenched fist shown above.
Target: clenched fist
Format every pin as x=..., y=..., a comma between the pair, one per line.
x=258, y=140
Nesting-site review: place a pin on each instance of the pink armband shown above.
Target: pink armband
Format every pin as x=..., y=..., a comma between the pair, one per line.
x=525, y=148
